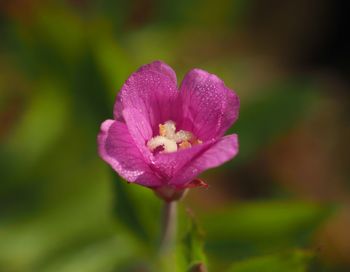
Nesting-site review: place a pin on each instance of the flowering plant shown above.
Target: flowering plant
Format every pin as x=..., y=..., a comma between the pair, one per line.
x=162, y=137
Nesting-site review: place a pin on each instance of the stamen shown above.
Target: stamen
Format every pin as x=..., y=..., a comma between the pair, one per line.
x=168, y=144
x=168, y=129
x=197, y=141
x=170, y=140
x=184, y=145
x=183, y=135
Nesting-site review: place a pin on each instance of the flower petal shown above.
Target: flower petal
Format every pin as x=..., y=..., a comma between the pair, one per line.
x=139, y=129
x=209, y=108
x=218, y=153
x=152, y=91
x=168, y=165
x=117, y=148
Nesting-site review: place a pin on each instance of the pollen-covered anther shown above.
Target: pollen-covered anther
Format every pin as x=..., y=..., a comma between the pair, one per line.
x=170, y=140
x=167, y=130
x=197, y=141
x=183, y=135
x=184, y=145
x=167, y=144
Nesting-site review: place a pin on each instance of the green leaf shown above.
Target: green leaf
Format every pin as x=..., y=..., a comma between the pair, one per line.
x=193, y=244
x=296, y=261
x=260, y=227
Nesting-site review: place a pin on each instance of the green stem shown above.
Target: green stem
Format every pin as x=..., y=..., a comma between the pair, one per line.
x=167, y=249
x=169, y=225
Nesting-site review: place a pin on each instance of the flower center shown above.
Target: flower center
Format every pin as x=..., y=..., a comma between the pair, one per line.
x=169, y=140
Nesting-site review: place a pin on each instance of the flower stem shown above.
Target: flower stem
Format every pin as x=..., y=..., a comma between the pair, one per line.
x=169, y=225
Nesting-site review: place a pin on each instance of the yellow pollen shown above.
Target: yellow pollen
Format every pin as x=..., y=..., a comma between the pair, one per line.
x=162, y=130
x=170, y=140
x=168, y=129
x=197, y=141
x=183, y=135
x=184, y=145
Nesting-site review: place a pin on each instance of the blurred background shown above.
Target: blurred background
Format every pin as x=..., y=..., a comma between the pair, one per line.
x=283, y=202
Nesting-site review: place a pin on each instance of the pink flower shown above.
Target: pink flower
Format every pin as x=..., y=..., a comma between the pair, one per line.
x=162, y=137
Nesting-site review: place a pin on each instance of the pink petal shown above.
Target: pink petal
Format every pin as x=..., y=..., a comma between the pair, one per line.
x=152, y=91
x=168, y=165
x=209, y=108
x=117, y=148
x=218, y=153
x=140, y=130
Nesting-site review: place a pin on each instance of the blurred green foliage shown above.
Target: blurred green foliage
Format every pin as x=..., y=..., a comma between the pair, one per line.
x=259, y=228
x=62, y=209
x=268, y=117
x=289, y=262
x=193, y=243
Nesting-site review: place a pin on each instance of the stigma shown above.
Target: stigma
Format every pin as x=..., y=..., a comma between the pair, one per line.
x=169, y=140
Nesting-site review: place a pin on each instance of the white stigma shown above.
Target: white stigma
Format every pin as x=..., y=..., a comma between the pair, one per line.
x=170, y=140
